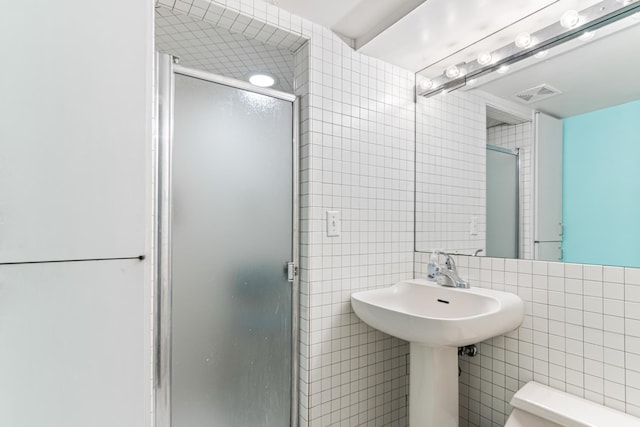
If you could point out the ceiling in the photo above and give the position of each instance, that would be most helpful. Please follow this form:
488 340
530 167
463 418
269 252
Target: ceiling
358 20
496 117
439 29
433 31
202 45
597 74
427 36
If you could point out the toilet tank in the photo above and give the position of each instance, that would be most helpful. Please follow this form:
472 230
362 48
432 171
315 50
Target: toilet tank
546 403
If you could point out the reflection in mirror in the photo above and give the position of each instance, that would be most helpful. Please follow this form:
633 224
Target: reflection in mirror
506 134
572 117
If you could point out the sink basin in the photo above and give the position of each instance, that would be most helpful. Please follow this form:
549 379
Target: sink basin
424 312
436 320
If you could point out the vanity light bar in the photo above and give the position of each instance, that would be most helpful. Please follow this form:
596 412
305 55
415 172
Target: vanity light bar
591 18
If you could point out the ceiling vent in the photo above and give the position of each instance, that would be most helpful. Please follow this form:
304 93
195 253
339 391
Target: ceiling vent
537 93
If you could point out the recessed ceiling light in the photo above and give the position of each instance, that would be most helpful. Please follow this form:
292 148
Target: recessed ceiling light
262 79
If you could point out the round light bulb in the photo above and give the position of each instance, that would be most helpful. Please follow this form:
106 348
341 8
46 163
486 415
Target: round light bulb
484 58
262 80
541 54
523 40
503 69
570 19
587 35
452 71
426 84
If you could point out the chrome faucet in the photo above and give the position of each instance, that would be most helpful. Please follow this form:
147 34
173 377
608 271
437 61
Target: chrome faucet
449 276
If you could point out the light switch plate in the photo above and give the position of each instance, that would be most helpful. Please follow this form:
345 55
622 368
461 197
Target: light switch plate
333 223
473 226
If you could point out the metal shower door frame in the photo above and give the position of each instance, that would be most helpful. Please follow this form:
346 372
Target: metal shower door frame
165 71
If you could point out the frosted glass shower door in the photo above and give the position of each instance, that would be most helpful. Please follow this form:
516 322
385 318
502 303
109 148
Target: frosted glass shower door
502 204
231 237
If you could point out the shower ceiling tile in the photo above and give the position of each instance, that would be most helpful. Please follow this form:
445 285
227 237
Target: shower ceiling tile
202 45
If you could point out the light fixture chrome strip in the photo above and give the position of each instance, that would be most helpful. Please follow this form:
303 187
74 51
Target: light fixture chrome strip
238 84
592 18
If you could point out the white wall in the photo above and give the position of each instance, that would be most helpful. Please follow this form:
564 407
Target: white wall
73 129
75 132
72 344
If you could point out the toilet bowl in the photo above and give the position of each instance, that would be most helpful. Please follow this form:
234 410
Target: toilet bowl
536 405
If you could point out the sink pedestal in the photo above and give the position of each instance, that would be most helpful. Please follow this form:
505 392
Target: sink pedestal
435 320
433 386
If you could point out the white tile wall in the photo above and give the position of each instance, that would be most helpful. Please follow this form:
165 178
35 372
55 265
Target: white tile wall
450 171
357 145
357 157
512 137
580 335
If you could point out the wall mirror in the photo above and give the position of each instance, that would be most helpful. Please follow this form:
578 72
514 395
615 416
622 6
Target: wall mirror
540 160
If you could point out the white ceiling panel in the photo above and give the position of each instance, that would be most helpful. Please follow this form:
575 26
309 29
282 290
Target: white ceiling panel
359 20
325 12
439 28
371 17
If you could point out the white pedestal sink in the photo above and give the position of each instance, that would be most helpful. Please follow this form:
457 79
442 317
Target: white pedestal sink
436 321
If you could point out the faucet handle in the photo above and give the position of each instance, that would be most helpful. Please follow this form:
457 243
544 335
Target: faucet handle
451 265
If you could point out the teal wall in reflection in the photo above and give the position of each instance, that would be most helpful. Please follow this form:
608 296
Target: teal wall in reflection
601 186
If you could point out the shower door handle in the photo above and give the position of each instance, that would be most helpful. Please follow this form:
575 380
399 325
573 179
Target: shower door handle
292 271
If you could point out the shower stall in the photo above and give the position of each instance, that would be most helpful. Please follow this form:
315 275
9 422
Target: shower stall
226 332
503 201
